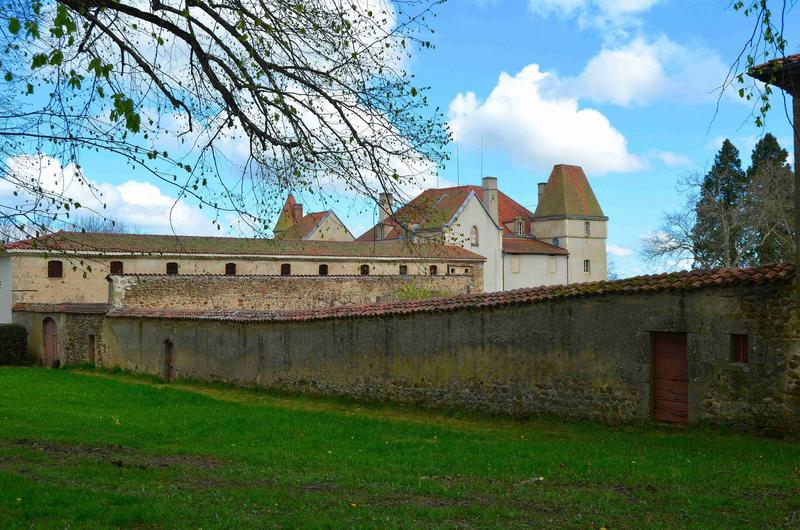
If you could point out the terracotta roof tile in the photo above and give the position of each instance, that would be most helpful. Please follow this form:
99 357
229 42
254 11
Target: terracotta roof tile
433 208
783 72
164 244
79 309
568 193
678 281
303 227
527 245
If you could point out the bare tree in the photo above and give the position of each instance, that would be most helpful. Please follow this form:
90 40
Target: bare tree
99 224
230 101
740 229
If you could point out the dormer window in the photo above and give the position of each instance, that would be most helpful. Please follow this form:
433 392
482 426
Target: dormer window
520 227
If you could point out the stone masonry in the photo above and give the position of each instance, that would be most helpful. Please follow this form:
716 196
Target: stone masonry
277 293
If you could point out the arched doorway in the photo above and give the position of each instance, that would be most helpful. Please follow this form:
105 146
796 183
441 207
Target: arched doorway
169 361
50 356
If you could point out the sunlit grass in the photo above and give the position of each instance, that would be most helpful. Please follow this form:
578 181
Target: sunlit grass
99 449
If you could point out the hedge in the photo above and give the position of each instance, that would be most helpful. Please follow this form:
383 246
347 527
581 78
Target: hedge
13 345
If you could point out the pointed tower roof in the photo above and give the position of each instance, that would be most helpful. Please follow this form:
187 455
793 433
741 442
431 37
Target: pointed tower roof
286 219
568 194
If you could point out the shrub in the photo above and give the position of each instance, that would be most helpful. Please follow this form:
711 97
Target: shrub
13 345
413 292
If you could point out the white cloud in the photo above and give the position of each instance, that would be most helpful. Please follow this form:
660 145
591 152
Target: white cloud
618 251
642 71
672 159
138 204
611 16
538 128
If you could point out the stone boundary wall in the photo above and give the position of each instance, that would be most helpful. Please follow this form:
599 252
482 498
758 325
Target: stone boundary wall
583 356
275 293
75 332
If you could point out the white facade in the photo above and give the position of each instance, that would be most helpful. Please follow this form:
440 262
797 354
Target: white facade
5 289
533 270
473 214
585 239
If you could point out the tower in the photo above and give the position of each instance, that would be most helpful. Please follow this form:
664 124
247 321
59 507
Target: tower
569 216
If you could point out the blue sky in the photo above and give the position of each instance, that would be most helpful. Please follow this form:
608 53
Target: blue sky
623 87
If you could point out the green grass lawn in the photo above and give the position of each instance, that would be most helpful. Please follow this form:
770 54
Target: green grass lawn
81 449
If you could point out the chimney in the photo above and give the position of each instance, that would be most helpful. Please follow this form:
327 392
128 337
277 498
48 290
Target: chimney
542 186
297 212
385 204
490 197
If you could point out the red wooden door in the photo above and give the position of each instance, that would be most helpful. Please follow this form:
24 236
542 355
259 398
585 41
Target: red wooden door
50 357
670 378
169 361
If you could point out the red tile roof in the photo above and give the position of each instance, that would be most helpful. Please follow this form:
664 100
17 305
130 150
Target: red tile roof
303 227
526 245
678 281
233 246
78 309
433 208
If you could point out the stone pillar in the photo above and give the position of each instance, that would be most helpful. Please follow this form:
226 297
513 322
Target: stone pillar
796 129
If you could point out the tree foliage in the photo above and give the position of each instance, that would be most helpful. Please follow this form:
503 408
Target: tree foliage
731 217
231 101
765 43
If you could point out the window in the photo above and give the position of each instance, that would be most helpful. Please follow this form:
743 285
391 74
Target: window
286 269
364 270
172 268
403 270
323 270
55 269
116 267
520 227
514 264
230 269
587 266
587 229
473 236
433 270
555 242
740 348
452 271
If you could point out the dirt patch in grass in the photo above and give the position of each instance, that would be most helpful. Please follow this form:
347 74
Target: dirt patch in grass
114 454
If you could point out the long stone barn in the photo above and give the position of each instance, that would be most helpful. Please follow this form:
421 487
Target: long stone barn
715 347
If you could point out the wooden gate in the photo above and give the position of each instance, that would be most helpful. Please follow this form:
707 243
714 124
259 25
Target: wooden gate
670 378
169 360
50 357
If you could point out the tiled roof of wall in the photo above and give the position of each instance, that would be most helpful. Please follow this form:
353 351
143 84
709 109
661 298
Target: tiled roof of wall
170 244
679 281
80 309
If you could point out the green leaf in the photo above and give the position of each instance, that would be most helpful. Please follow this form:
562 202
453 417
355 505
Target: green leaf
56 58
39 60
9 76
14 25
